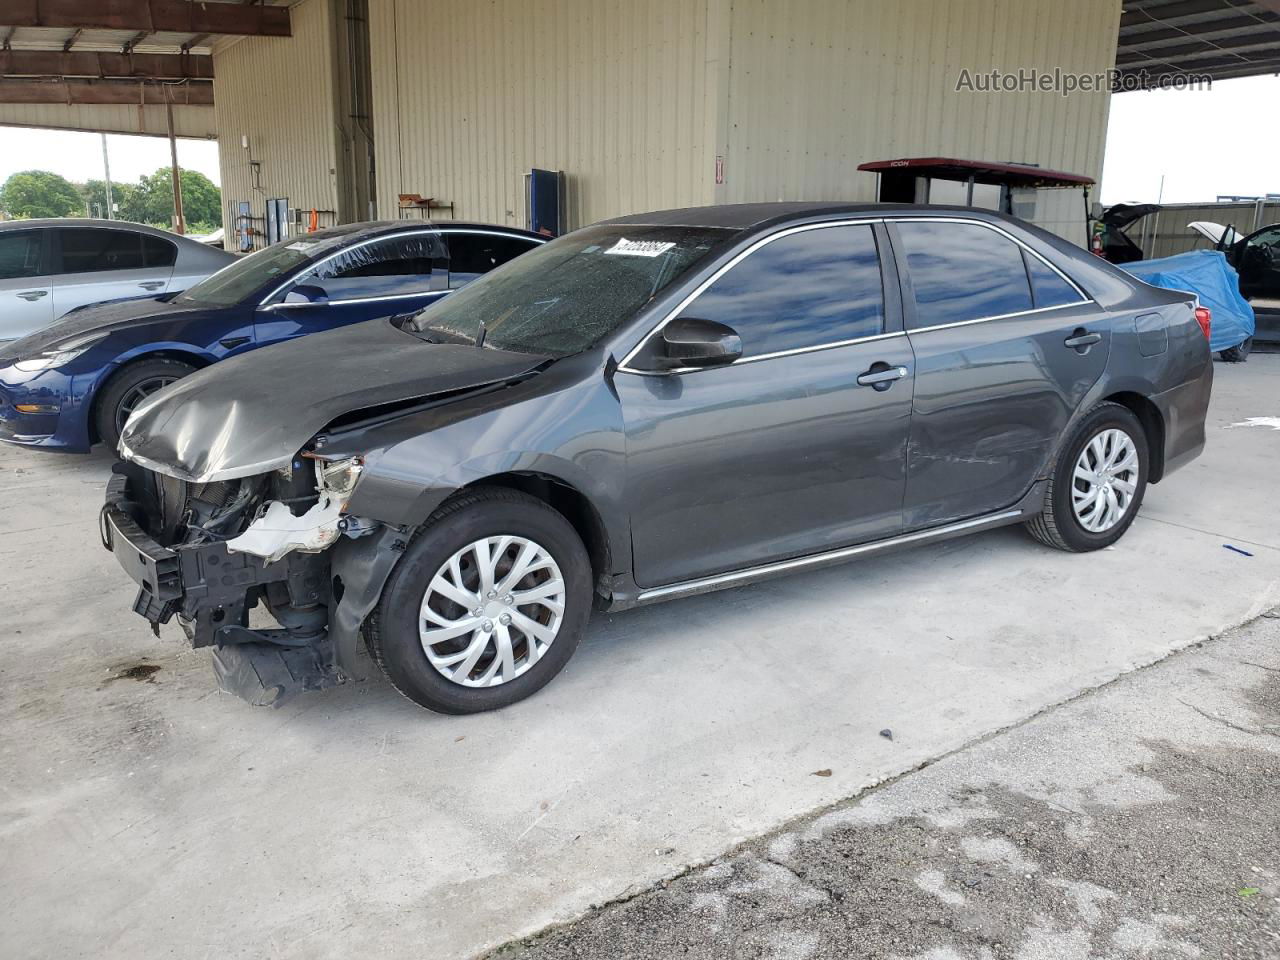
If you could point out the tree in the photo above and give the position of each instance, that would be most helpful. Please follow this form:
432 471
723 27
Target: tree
39 193
95 196
151 199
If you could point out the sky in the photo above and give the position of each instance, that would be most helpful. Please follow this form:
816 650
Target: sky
78 156
1223 140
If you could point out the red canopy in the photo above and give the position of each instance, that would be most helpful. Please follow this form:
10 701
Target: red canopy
1010 174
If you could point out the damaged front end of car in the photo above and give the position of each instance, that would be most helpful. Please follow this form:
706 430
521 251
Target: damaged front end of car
209 554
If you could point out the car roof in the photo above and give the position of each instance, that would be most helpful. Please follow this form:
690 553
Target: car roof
372 228
88 222
750 216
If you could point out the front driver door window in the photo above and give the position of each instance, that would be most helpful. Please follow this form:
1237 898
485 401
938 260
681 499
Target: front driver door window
782 453
26 301
395 275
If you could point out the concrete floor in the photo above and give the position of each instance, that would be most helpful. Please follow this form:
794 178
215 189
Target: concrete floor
1052 840
151 816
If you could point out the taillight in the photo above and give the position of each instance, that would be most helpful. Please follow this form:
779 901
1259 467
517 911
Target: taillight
1205 319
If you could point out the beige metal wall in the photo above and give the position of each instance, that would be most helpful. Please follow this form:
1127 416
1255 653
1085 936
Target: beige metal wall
280 93
470 94
816 87
196 122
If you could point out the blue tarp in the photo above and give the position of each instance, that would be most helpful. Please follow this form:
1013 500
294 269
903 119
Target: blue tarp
1207 274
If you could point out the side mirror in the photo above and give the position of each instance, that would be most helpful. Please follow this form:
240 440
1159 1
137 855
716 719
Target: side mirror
692 342
306 293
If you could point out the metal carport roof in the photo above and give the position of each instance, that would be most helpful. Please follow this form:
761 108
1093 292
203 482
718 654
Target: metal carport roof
1216 38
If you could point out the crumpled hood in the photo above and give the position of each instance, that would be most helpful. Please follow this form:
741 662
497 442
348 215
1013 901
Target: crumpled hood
99 318
254 412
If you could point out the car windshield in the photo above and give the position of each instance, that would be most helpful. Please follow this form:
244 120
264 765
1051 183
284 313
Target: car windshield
233 283
563 297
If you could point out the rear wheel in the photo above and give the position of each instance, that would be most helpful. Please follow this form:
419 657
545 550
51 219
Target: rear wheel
1097 483
1239 353
128 388
487 605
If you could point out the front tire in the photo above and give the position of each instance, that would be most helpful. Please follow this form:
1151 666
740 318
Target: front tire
1097 483
486 606
127 388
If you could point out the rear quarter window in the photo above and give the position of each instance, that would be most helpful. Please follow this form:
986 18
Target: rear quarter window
1047 286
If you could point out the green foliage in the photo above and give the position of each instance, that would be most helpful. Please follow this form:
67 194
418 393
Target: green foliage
151 199
39 193
95 195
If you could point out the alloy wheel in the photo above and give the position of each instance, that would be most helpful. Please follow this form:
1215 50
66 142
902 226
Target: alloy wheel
135 395
1104 480
491 611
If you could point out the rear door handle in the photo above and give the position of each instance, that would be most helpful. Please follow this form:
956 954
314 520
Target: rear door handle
152 284
1080 338
881 376
33 295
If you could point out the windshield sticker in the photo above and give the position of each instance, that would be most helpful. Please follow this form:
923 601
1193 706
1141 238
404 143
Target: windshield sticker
639 248
303 245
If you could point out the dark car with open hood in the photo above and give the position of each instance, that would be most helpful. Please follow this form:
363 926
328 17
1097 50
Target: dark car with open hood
644 409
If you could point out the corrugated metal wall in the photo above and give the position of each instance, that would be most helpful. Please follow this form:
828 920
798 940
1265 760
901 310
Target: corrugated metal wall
636 99
818 86
470 94
280 94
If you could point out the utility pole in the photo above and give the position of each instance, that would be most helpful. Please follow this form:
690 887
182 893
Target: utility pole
106 170
179 221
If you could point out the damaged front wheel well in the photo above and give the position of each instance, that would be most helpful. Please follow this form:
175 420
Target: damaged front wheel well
180 356
570 503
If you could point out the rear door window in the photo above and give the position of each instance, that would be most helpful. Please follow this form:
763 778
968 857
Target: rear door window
962 272
396 266
806 289
1047 286
99 250
472 255
20 254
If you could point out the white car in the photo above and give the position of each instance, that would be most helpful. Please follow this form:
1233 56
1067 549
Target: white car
50 267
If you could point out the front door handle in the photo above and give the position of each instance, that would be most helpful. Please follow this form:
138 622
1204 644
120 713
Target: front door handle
33 295
881 376
1081 338
151 284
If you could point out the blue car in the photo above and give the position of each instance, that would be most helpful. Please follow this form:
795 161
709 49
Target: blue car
76 381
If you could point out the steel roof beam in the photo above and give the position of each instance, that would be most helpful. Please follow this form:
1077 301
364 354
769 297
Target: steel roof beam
149 16
82 63
105 91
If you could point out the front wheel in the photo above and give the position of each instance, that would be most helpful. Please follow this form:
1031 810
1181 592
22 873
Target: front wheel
486 606
127 388
1097 483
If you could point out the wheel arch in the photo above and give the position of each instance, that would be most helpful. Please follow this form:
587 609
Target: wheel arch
189 356
1153 426
571 503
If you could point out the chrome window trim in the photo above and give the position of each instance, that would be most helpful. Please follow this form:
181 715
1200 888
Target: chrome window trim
271 308
625 367
704 584
995 228
408 232
998 316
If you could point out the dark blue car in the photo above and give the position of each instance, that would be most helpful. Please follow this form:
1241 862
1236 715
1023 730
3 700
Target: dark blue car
76 381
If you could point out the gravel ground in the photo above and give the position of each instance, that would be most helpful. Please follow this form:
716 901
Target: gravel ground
1141 820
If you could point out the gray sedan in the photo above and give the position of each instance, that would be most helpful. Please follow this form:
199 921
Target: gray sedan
50 267
645 409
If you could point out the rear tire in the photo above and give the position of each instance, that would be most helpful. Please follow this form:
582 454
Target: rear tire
1093 494
127 387
1239 353
496 648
